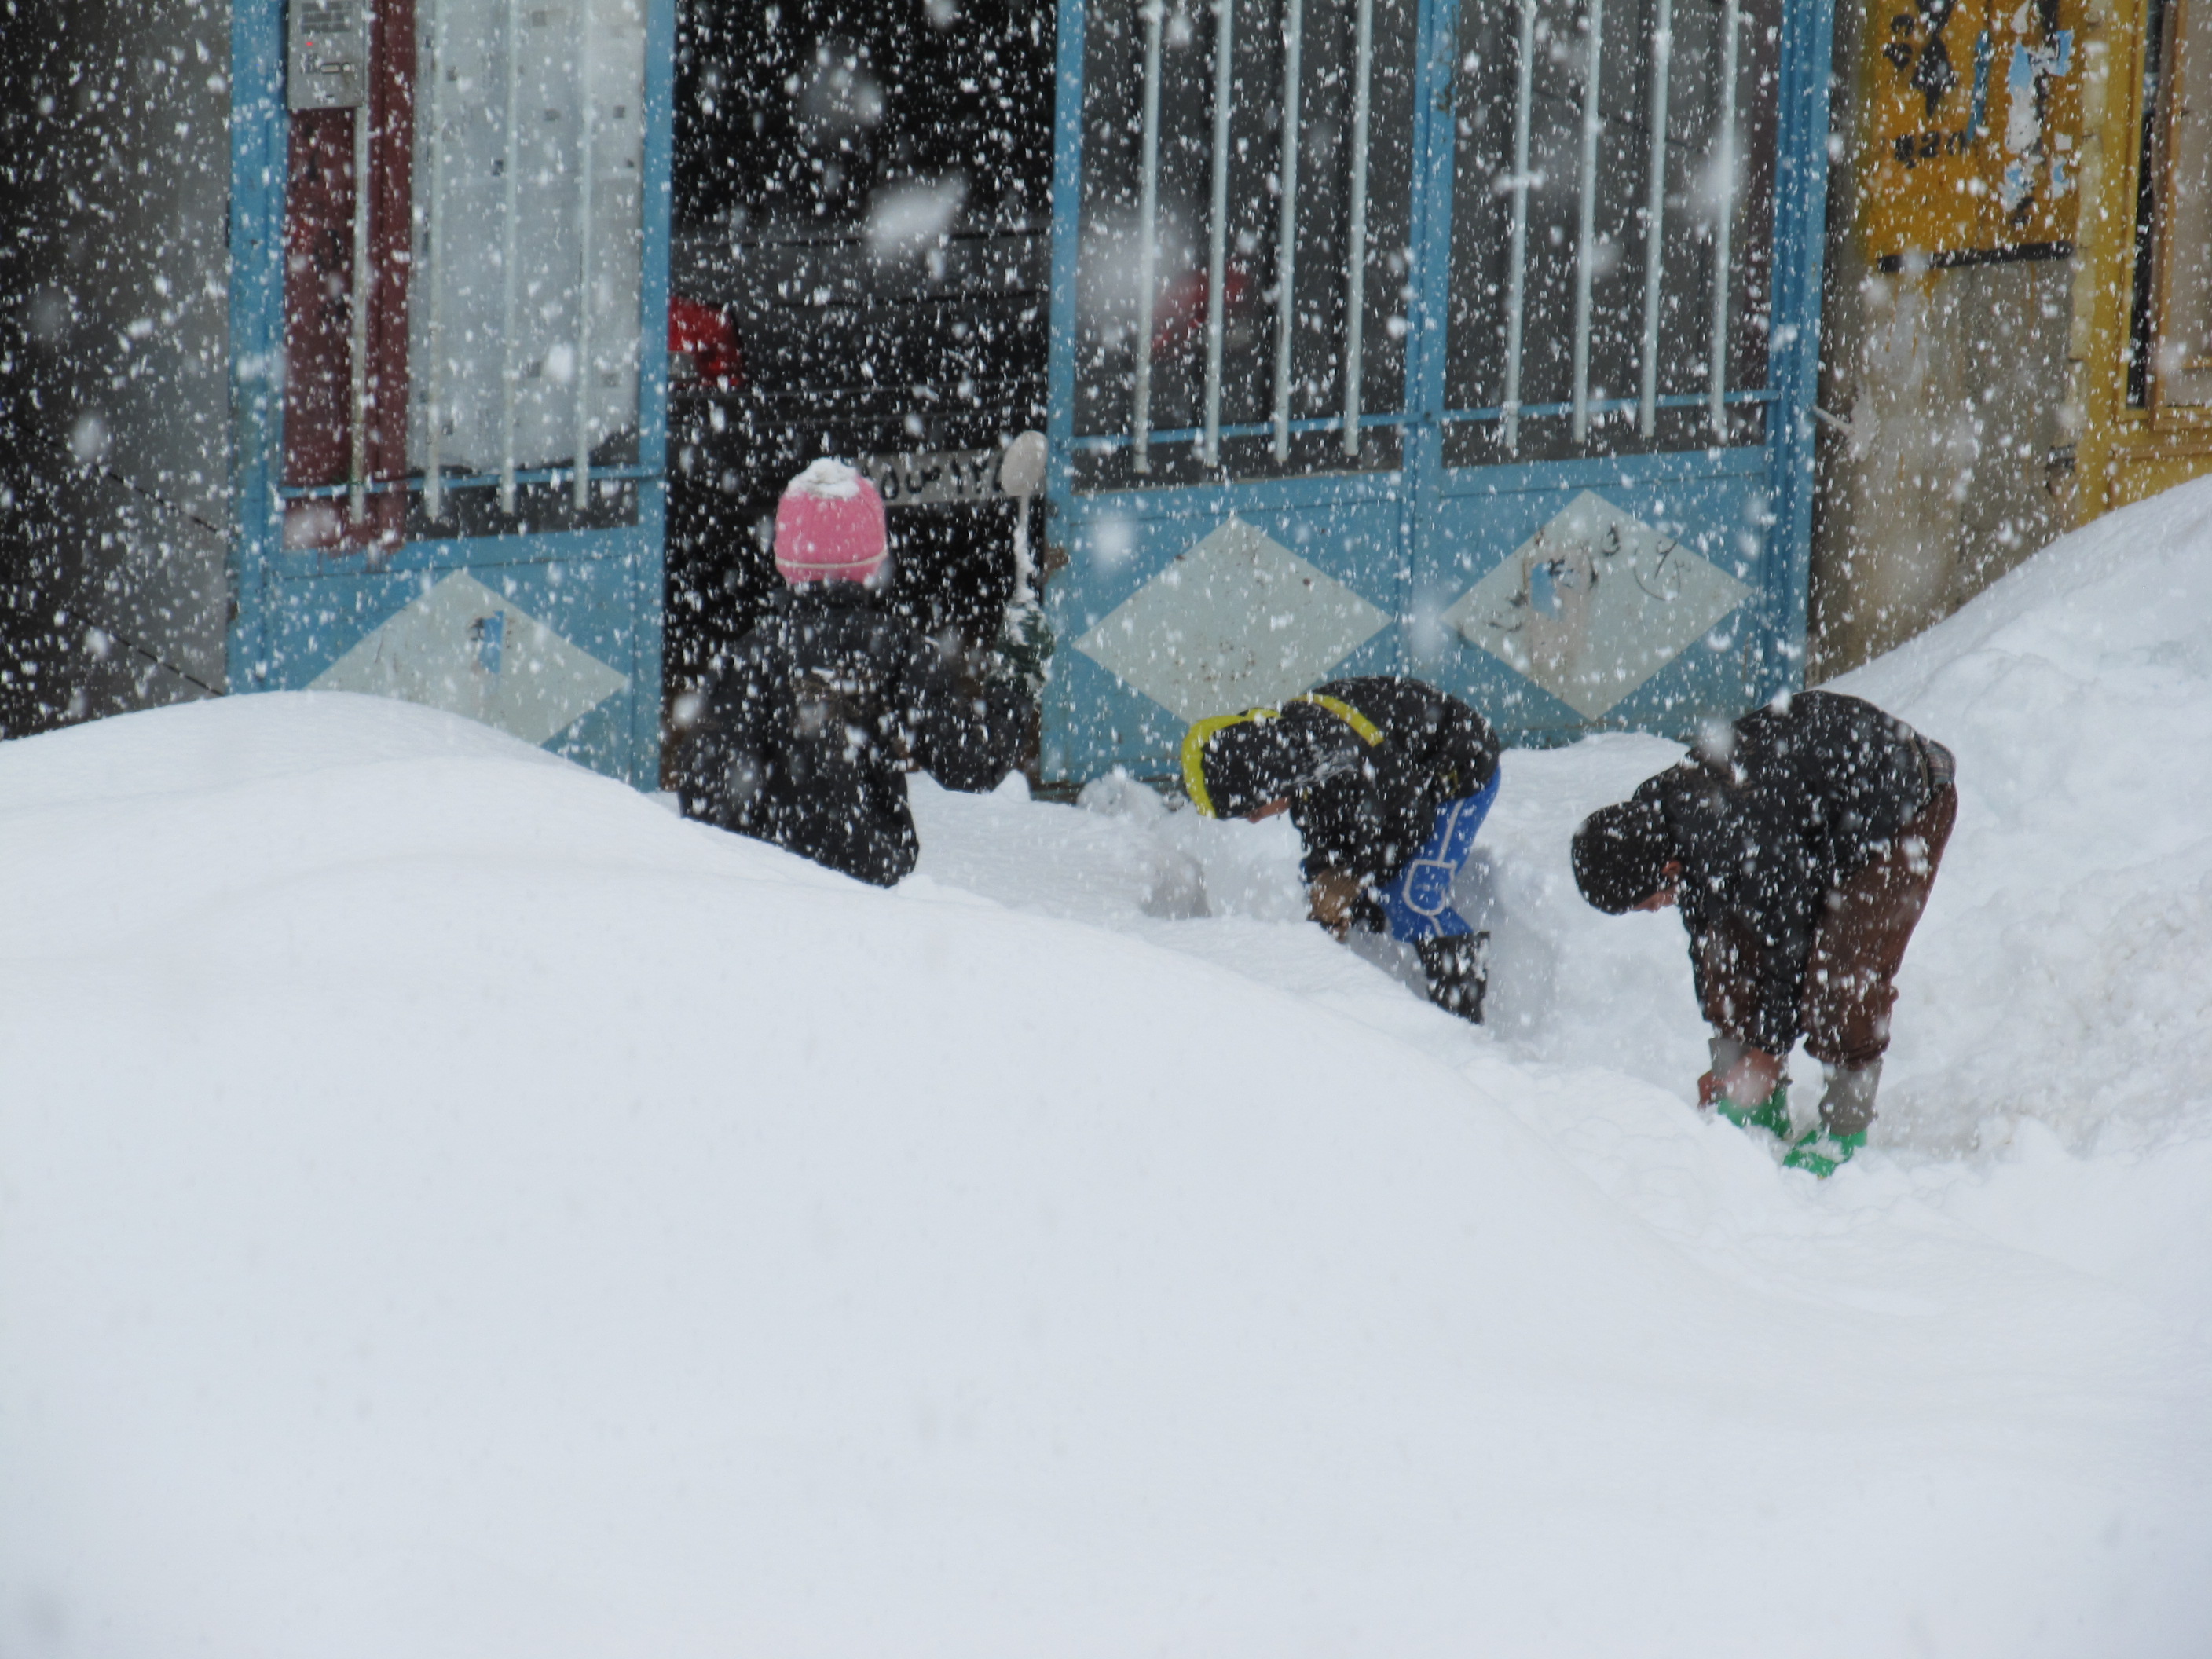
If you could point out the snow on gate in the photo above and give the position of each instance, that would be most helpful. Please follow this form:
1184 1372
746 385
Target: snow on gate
423 383
1475 341
372 354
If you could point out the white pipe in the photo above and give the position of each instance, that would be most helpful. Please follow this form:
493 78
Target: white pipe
1286 251
583 492
1662 52
432 272
1516 282
509 372
1148 250
1216 260
357 324
1355 282
1724 219
1586 232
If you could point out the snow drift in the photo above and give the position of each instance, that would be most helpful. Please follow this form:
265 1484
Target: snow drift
450 1206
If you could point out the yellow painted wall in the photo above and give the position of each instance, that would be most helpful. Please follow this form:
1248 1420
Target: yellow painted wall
1969 126
2122 455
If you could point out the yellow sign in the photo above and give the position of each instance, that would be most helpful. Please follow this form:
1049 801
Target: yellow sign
1974 112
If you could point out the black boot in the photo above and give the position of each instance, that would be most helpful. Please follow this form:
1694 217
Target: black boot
1458 969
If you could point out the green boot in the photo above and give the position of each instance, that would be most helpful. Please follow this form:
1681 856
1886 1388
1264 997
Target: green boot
1772 1113
1822 1153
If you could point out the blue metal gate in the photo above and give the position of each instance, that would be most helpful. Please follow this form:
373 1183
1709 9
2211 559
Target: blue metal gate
448 303
1470 338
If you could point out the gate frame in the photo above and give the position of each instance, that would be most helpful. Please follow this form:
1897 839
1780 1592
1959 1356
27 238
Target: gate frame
1785 457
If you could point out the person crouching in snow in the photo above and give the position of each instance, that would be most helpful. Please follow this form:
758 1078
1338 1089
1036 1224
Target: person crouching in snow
1801 843
802 739
1387 780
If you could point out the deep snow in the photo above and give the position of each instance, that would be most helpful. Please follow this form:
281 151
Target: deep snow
450 1206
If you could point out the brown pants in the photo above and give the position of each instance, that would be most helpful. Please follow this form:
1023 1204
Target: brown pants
1848 991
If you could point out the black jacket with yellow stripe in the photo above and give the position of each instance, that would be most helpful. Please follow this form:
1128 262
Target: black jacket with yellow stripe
1396 749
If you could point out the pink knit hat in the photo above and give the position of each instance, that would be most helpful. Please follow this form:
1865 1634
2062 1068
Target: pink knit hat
829 525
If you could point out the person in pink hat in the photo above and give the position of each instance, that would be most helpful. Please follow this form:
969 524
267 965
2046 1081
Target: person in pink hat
804 739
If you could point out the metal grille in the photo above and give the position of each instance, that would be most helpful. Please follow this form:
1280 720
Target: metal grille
1249 265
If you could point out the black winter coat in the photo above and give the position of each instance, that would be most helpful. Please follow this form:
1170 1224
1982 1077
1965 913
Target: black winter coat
804 738
1767 822
1371 813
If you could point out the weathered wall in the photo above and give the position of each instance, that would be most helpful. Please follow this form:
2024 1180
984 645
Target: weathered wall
114 358
1945 450
1953 470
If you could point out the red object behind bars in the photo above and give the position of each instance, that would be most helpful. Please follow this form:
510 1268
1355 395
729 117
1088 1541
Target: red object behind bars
1179 316
703 345
319 298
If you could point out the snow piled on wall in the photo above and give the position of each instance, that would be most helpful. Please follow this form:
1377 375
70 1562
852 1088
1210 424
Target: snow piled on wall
449 1205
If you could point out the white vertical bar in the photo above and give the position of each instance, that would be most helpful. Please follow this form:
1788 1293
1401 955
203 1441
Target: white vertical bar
1355 278
1217 259
585 112
1586 231
1517 287
1723 218
357 324
509 370
432 272
1662 52
1148 250
1287 250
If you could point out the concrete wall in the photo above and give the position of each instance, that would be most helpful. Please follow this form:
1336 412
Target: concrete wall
1946 457
114 358
1955 467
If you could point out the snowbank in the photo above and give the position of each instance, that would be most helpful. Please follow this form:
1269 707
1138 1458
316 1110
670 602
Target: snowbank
450 1206
2057 999
2069 971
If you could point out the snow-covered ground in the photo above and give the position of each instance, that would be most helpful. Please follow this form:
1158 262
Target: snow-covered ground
449 1205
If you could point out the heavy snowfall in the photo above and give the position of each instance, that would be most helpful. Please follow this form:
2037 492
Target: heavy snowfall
453 1206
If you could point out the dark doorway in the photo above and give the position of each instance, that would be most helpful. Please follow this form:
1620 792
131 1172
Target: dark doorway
860 268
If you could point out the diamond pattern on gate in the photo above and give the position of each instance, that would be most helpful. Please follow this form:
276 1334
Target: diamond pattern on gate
1594 603
1236 619
464 648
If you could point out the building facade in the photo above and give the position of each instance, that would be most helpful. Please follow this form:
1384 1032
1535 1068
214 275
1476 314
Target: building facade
340 360
2018 295
1615 363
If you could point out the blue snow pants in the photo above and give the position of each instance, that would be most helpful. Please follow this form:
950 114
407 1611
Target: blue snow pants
1417 903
